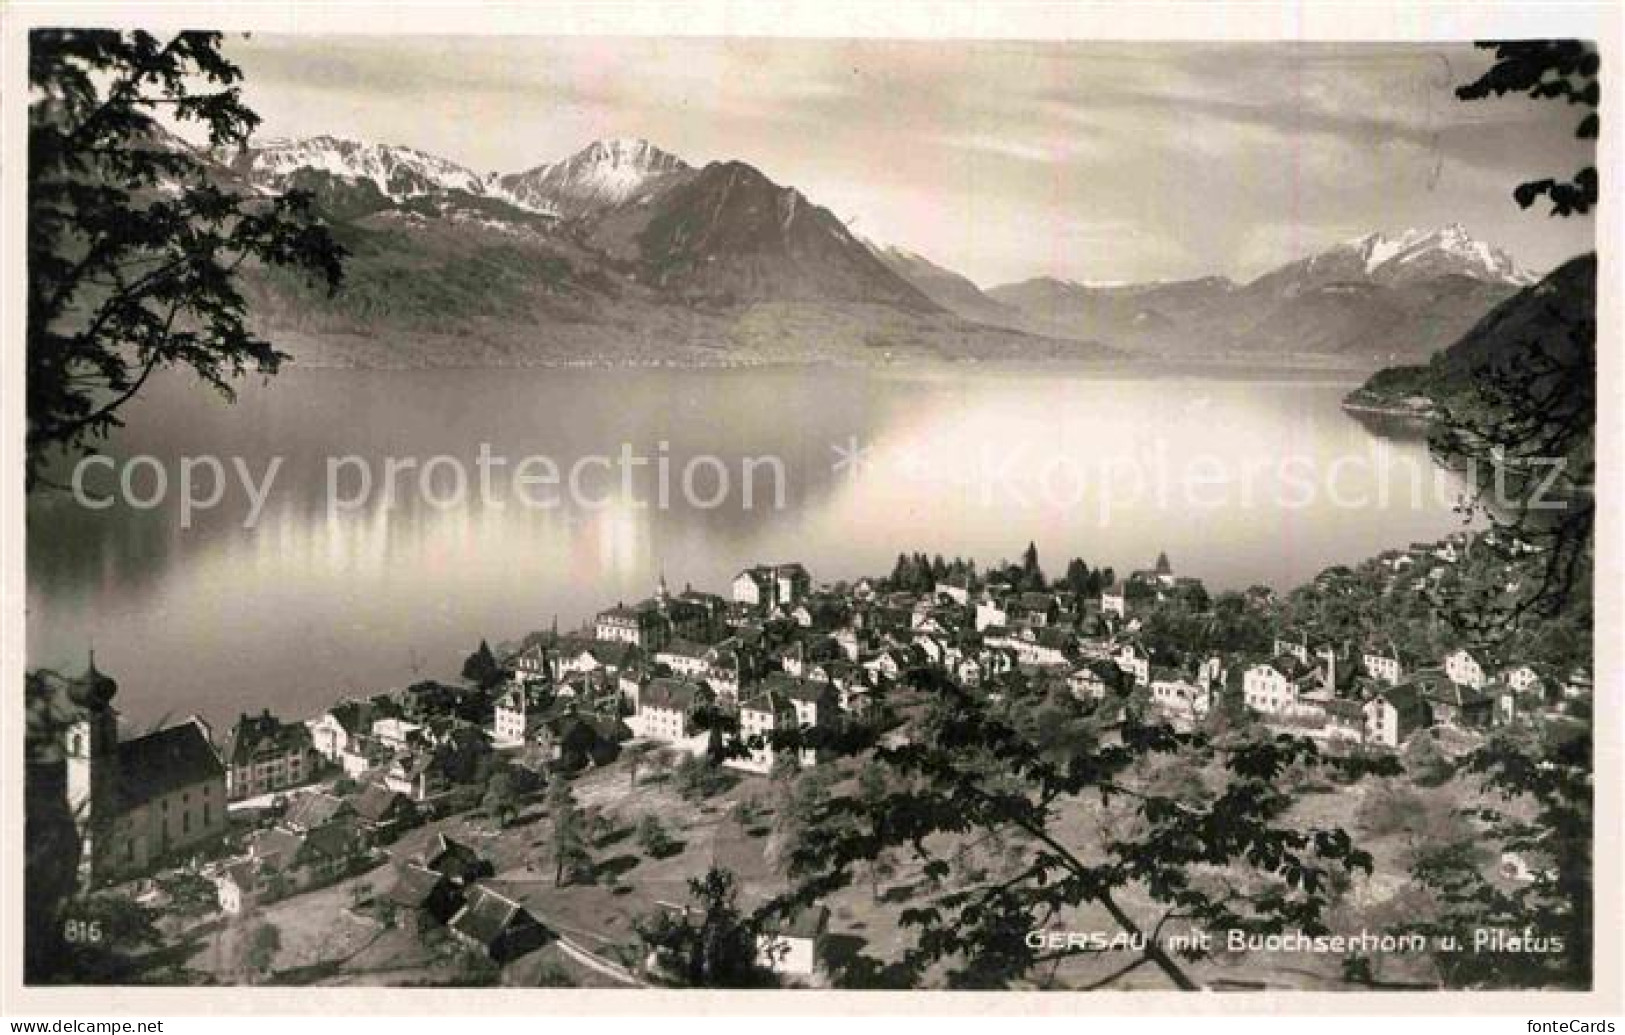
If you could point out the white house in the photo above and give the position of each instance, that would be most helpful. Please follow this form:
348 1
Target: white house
1383 664
1393 715
665 711
519 712
794 949
1465 667
1114 600
1181 700
990 612
396 734
1133 659
686 658
1276 687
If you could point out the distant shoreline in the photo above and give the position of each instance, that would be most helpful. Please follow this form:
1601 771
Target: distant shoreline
1162 365
1398 412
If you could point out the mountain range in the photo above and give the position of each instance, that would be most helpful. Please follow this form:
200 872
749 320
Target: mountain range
1370 300
625 253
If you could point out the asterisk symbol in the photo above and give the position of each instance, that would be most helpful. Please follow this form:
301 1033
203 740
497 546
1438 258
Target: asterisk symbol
910 463
851 458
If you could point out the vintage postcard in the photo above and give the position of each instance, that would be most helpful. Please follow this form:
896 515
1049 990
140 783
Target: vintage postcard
543 505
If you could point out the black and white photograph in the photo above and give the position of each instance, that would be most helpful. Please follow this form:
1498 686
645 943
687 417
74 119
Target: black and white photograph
809 514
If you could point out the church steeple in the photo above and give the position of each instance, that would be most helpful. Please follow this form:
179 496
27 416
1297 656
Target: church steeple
93 691
91 752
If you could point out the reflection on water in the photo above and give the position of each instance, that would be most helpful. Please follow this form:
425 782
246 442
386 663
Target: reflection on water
1240 482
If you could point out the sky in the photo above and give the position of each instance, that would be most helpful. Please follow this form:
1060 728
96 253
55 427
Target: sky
1003 161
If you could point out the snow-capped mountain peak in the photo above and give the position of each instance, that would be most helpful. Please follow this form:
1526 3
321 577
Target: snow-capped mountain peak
1415 253
603 174
398 172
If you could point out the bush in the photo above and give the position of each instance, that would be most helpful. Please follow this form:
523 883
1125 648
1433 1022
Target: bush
696 778
1426 763
652 838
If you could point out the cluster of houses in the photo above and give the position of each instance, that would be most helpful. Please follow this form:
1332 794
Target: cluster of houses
1378 694
783 654
779 653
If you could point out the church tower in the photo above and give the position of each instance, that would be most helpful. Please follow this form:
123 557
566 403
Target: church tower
91 754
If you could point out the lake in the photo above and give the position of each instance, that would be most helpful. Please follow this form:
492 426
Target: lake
336 587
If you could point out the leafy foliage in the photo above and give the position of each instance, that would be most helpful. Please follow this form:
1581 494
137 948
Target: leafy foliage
572 838
1563 70
652 837
257 949
1553 904
481 667
965 772
134 245
711 943
501 799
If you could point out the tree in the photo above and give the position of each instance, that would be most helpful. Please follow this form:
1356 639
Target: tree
1077 578
258 948
697 777
1554 907
1426 762
1535 409
1564 70
1032 576
1538 405
481 667
652 837
572 853
801 805
711 943
970 774
501 799
135 239
634 755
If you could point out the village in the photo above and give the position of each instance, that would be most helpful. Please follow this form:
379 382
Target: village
396 838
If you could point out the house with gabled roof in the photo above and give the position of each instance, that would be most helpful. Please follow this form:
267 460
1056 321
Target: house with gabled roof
1094 679
263 754
282 862
1134 660
665 712
521 708
382 814
424 897
1455 703
1384 662
1467 666
1393 714
313 809
685 658
772 585
1279 685
347 723
460 863
1529 678
1178 698
794 947
496 925
783 703
537 662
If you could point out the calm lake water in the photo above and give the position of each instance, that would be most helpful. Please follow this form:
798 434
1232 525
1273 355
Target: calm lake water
327 593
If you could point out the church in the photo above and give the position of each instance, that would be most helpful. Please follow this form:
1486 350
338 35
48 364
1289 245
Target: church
135 802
